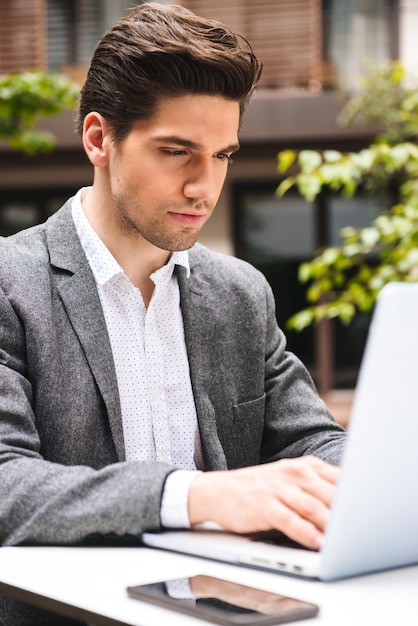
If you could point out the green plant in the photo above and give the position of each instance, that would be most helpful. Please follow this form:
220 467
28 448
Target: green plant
387 101
348 278
27 97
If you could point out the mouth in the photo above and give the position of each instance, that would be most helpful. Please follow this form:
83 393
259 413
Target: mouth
192 220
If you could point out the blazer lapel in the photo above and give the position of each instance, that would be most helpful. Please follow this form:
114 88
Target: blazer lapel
199 334
77 288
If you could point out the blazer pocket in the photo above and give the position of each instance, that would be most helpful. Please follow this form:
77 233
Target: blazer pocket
245 437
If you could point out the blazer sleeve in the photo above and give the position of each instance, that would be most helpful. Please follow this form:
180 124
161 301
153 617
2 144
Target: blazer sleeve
44 501
297 421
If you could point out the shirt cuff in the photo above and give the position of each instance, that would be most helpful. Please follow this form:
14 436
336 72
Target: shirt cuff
174 504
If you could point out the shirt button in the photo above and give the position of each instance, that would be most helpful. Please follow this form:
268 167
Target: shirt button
155 393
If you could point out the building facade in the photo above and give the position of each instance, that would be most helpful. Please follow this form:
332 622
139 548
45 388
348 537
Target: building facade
313 53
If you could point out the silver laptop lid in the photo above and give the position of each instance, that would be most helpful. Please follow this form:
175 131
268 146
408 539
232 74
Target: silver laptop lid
374 521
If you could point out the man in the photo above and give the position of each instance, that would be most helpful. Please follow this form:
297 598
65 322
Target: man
133 358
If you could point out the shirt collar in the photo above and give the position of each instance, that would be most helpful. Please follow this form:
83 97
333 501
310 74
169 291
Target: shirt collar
103 264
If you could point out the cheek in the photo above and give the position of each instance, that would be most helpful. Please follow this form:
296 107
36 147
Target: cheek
134 181
220 179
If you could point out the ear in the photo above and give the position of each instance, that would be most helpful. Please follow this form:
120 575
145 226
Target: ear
96 139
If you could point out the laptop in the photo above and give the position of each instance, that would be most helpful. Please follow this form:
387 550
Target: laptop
373 524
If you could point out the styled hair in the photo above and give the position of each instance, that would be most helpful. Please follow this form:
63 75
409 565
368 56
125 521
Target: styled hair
160 51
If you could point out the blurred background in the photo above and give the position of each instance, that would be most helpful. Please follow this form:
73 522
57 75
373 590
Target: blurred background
313 53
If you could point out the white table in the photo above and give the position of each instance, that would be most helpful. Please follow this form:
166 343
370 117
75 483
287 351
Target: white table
90 584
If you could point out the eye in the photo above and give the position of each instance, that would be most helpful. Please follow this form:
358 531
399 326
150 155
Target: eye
223 156
174 152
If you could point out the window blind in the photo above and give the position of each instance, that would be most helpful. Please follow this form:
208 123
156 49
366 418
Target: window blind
22 35
285 34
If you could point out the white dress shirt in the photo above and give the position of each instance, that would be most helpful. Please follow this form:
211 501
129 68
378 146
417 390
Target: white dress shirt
152 368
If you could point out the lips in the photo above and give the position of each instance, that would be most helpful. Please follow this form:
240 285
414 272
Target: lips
193 220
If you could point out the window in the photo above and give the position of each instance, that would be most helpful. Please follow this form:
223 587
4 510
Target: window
276 235
75 27
356 30
28 207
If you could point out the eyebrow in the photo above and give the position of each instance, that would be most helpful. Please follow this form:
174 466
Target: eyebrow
193 145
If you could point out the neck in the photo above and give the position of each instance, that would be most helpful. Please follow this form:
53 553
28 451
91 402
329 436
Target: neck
137 257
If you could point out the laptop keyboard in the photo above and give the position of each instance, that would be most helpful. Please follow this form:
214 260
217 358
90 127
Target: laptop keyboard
275 538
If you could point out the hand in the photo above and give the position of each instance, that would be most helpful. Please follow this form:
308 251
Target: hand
291 495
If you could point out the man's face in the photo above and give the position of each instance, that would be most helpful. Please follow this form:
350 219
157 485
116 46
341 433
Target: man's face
166 176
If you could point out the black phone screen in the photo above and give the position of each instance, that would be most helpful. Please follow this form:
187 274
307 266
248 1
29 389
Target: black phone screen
224 602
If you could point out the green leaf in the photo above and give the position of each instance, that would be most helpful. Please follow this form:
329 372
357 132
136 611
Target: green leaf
396 157
309 161
284 186
330 255
286 158
314 293
346 312
364 159
332 156
370 236
305 272
309 185
301 320
353 249
397 73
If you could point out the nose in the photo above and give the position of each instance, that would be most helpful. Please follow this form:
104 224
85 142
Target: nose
203 182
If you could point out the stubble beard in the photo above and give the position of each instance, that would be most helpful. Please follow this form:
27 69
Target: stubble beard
153 231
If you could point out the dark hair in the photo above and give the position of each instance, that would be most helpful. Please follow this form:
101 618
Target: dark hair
162 51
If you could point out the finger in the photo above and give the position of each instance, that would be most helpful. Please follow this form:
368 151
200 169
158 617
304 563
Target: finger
306 506
320 489
308 474
295 527
327 471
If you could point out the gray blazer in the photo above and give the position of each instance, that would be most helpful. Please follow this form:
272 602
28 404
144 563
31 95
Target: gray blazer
63 474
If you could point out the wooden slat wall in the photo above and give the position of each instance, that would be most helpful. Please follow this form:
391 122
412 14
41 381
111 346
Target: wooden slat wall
22 35
285 34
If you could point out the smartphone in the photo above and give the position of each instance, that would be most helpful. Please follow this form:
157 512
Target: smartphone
224 602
